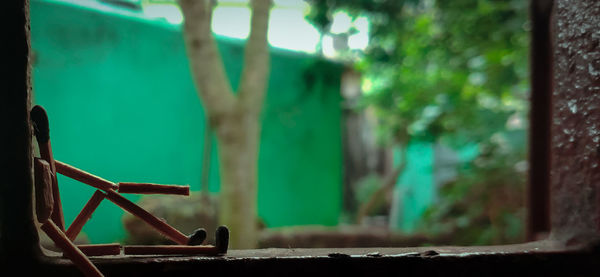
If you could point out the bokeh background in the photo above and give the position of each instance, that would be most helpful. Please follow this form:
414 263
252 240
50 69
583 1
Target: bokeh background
386 123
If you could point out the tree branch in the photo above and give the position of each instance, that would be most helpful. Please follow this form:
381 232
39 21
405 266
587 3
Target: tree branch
256 58
205 61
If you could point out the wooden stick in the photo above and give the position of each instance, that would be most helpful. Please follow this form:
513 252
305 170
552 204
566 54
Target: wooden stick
121 201
153 221
57 211
44 202
84 177
148 188
42 135
100 249
70 250
84 215
170 250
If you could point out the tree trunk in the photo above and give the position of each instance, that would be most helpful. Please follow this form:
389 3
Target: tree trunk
238 151
235 118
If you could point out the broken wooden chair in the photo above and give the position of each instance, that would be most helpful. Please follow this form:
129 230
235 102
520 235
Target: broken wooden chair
50 215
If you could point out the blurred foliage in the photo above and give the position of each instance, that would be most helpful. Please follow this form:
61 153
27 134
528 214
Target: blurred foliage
484 205
454 71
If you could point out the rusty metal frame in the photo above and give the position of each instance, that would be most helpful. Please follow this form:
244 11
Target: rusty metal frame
538 186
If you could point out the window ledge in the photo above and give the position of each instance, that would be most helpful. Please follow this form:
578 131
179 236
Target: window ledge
543 257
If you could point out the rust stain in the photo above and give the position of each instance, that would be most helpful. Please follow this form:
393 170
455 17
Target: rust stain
575 171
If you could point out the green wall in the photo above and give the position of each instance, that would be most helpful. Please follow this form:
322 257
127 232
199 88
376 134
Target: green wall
416 190
122 105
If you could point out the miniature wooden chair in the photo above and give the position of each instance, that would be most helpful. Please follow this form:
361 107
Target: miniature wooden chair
49 209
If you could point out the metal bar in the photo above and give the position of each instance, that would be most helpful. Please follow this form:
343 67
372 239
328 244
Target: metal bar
538 188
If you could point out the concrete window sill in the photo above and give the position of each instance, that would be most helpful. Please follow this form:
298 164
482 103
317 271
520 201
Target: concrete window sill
548 258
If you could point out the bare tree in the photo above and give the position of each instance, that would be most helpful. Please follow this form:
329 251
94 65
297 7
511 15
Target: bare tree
234 117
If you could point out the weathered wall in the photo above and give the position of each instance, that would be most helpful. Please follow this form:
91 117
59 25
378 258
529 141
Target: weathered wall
18 239
575 171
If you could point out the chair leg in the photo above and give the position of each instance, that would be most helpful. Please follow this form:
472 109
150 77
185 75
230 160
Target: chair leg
84 215
70 250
